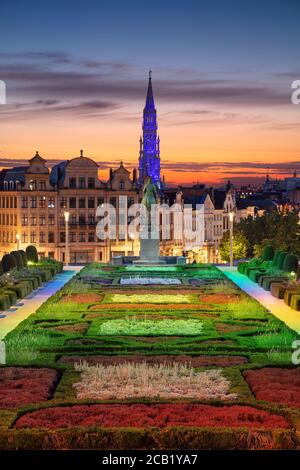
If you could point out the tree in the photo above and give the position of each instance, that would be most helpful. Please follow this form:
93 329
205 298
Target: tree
281 230
240 246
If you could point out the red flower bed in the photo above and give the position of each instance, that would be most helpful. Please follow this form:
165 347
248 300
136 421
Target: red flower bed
219 298
162 415
82 298
275 385
21 386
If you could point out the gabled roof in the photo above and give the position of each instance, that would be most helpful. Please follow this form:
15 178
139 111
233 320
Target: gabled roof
218 198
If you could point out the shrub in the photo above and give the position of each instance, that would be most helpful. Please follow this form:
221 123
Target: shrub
275 259
280 259
24 257
8 263
290 263
268 253
18 258
4 301
32 254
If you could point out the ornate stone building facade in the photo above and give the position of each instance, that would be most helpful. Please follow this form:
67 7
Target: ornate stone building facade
34 203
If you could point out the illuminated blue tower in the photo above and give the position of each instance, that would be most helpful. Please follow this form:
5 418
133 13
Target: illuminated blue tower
149 160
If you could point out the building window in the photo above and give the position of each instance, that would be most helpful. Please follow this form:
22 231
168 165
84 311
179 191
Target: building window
91 219
24 220
51 219
72 182
113 201
72 237
24 202
91 237
32 237
100 201
24 237
62 237
61 221
42 237
33 220
51 237
42 202
122 184
91 182
63 202
100 256
82 203
81 237
130 201
82 182
91 203
72 202
42 220
32 185
33 202
81 220
73 220
42 185
51 204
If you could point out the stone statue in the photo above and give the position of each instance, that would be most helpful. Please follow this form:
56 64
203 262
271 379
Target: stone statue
149 251
149 194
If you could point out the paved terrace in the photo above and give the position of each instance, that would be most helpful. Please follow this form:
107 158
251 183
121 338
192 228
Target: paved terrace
11 318
276 306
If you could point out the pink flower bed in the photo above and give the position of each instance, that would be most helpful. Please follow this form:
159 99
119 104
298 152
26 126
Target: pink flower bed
161 416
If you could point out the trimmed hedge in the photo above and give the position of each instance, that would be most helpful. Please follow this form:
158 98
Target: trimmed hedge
20 289
8 263
32 254
24 257
290 263
280 259
18 258
4 301
277 253
268 253
11 294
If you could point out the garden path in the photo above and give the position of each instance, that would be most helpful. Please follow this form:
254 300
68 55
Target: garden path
11 318
276 306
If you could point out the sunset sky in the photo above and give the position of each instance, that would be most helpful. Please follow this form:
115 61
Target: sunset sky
76 76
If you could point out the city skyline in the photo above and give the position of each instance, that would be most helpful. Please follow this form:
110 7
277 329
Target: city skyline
223 100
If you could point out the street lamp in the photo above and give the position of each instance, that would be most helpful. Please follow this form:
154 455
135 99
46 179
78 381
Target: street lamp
231 217
67 216
18 241
131 235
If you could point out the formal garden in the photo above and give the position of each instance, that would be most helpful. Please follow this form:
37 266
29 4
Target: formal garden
174 357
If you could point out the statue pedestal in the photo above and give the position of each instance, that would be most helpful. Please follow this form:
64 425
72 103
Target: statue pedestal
149 254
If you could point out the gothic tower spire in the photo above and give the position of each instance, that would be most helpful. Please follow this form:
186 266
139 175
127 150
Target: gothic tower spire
149 160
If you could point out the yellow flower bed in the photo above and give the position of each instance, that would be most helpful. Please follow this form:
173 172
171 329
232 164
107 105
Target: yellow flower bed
150 298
